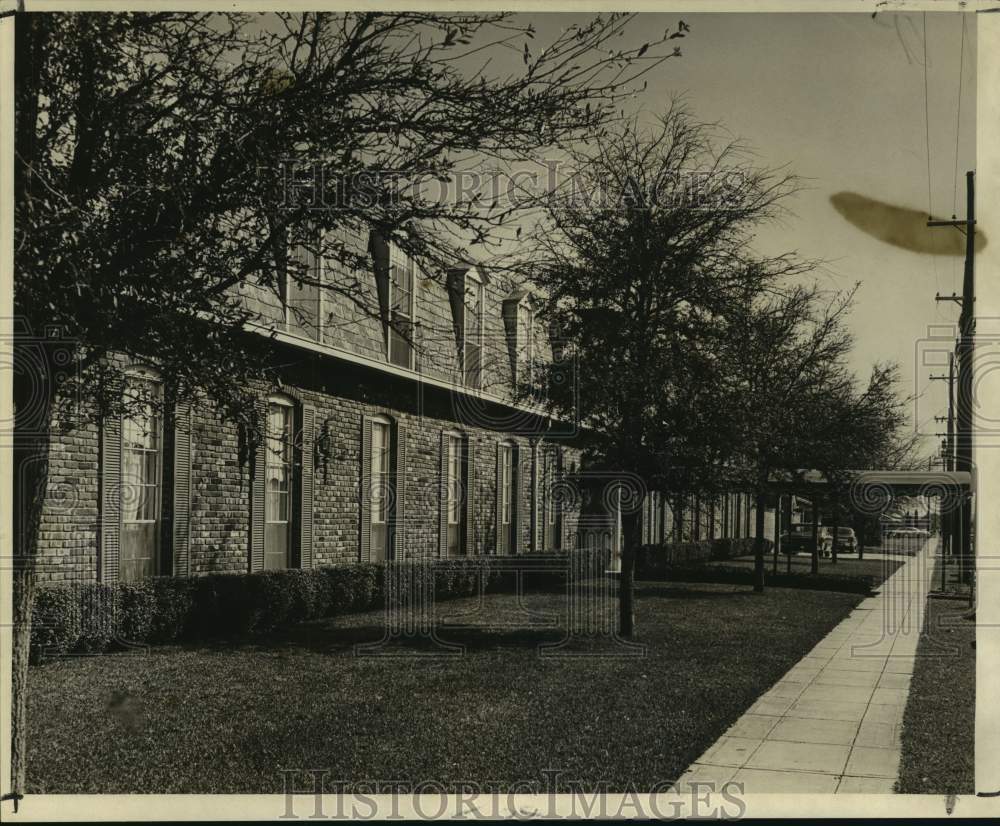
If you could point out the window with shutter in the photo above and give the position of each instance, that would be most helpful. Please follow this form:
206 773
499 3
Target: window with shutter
454 510
380 489
142 479
444 495
550 517
457 495
506 498
278 483
383 489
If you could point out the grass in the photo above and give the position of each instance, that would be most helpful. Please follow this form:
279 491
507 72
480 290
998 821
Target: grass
939 723
880 569
227 718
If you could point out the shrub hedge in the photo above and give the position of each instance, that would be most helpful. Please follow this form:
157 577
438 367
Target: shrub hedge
89 618
652 561
684 562
743 575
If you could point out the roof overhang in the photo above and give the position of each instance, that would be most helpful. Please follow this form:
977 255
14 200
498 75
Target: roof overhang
900 482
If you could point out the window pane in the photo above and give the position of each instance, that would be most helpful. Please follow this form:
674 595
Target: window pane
401 309
454 479
380 472
145 502
140 457
150 469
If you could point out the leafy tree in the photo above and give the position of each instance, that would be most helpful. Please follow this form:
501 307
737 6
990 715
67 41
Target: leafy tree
147 186
793 404
640 253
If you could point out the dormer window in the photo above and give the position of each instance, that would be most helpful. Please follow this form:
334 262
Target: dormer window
395 281
473 334
301 295
402 277
467 295
525 344
519 322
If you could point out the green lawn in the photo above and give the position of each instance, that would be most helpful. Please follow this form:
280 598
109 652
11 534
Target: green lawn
229 717
881 569
939 722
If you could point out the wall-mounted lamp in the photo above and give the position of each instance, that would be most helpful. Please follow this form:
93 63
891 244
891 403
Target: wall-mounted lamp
324 447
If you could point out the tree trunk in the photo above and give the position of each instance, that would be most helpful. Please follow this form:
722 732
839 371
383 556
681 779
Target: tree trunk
858 524
758 561
777 531
30 454
631 537
815 549
836 525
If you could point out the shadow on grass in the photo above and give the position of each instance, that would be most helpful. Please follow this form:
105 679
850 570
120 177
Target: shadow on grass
538 620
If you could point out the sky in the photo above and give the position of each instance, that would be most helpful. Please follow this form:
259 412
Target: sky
840 99
843 102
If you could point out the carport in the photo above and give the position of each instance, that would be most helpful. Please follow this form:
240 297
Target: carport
867 493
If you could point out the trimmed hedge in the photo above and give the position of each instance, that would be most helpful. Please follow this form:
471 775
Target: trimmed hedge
651 561
684 562
90 618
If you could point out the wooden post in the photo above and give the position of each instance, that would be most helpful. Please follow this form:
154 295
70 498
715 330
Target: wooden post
815 537
631 536
836 526
859 529
758 561
626 594
777 530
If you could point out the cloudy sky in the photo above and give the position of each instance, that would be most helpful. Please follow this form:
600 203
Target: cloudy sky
840 99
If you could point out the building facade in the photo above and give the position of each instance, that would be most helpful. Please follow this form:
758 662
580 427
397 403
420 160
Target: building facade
393 428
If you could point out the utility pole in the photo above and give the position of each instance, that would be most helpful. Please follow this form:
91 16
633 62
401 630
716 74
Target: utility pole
950 526
965 351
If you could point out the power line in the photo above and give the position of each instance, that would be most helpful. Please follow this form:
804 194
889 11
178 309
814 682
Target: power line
958 117
927 120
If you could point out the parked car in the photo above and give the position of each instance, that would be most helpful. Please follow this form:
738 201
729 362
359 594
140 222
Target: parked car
800 540
847 540
904 539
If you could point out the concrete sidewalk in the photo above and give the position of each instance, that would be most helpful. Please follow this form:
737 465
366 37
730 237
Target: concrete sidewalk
832 723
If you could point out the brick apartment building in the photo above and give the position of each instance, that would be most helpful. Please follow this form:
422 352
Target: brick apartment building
376 445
